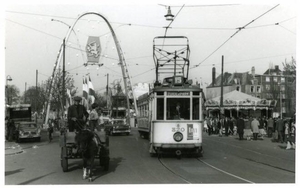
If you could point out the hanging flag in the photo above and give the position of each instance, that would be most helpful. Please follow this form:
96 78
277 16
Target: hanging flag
91 91
69 98
84 89
93 50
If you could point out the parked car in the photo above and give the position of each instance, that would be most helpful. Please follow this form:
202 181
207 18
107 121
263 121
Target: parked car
118 126
24 126
28 130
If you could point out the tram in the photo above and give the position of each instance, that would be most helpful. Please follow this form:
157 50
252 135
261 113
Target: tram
170 114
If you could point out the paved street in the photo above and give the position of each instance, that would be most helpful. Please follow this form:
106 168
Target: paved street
226 160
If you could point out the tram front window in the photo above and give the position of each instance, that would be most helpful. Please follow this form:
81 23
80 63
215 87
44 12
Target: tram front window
178 109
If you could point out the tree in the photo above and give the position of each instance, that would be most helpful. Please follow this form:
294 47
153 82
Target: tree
57 89
36 96
12 94
290 74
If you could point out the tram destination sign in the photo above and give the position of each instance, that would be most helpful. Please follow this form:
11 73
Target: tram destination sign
178 93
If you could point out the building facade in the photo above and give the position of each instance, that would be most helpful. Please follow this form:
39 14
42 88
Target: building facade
274 84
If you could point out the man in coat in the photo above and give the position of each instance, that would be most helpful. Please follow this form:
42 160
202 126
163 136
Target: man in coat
240 127
254 127
279 128
77 115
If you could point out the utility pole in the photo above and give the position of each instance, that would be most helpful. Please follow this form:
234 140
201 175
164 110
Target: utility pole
107 75
64 75
221 98
25 93
36 90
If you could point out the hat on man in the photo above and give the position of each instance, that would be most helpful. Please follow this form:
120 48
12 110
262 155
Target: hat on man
77 98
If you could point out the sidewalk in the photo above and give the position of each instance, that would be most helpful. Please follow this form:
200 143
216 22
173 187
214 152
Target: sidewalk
13 148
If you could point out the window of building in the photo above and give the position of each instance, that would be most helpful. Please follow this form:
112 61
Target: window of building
258 89
238 88
252 89
282 79
283 95
275 79
268 87
282 87
267 79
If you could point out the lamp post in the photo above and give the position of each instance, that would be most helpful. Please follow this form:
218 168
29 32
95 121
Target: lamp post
8 78
63 71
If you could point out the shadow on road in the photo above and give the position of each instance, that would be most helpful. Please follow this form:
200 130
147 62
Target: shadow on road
7 173
113 164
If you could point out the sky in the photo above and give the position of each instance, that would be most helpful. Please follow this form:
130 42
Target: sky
32 40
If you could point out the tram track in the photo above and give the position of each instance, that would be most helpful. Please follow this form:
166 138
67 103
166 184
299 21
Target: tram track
172 171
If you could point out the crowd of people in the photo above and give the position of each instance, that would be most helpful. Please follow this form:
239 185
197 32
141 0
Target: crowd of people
253 128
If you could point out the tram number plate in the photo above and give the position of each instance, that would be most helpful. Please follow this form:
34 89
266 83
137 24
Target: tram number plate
178 129
191 132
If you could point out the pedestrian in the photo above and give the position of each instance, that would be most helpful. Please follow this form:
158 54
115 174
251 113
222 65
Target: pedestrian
292 137
77 115
94 117
205 128
11 129
247 129
286 131
50 131
270 127
261 128
220 124
226 125
209 125
254 128
234 123
240 127
280 129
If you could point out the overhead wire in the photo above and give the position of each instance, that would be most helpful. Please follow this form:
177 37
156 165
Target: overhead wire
238 30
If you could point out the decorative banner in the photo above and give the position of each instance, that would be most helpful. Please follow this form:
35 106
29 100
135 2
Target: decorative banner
93 50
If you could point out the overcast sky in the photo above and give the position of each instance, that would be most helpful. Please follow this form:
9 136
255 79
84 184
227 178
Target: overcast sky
32 40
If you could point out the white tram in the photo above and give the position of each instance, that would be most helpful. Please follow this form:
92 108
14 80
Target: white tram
170 115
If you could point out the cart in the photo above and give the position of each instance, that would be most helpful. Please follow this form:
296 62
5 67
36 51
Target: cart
69 149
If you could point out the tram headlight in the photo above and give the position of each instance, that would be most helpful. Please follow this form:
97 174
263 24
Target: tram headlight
178 136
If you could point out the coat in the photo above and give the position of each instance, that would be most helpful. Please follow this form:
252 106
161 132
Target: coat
279 125
240 123
77 111
254 126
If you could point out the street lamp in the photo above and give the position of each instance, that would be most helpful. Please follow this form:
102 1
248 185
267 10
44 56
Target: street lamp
169 16
8 78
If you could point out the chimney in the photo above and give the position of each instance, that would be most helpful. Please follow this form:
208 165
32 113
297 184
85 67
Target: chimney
253 72
276 67
213 76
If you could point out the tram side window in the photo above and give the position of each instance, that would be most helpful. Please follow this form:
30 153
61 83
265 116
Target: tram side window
160 109
178 109
196 109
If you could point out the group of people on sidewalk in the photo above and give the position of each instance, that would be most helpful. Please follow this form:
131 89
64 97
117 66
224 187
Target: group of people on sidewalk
253 128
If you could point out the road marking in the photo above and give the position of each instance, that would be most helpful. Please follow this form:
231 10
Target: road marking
225 172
